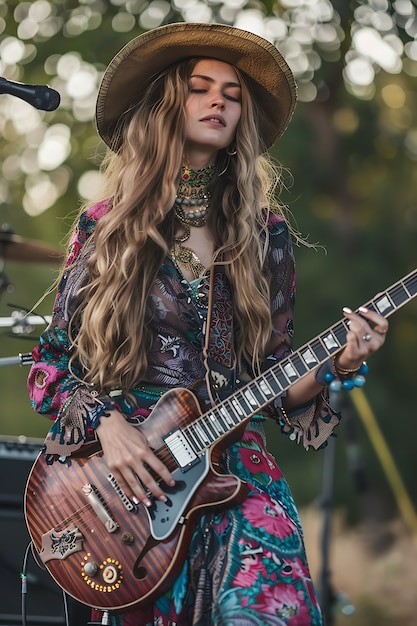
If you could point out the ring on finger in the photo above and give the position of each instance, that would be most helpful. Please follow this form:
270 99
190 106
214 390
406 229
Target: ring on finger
366 337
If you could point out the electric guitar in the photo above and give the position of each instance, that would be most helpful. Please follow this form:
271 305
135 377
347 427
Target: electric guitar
112 554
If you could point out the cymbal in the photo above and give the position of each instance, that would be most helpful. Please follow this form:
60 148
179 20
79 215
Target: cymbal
15 248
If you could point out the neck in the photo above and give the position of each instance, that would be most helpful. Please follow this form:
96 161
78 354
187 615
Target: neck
199 160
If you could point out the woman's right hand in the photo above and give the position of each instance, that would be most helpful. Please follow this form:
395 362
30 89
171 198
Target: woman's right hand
129 456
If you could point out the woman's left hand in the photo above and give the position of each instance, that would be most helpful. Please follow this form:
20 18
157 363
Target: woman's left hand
366 334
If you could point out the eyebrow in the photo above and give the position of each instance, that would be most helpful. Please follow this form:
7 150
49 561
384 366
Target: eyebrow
211 80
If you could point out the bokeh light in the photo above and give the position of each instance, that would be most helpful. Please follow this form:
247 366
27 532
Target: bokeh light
309 33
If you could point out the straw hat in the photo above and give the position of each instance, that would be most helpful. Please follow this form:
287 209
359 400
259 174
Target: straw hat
271 80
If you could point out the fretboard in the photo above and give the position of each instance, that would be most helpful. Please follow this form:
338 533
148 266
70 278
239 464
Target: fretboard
254 396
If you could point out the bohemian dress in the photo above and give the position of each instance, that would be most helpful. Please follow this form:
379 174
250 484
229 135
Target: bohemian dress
246 564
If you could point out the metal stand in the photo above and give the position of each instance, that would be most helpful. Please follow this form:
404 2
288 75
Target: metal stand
329 600
20 323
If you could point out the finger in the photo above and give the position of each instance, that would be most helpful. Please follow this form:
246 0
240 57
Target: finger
150 484
378 323
144 481
155 465
380 330
365 323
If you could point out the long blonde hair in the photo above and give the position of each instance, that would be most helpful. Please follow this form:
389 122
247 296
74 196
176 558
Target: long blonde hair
109 329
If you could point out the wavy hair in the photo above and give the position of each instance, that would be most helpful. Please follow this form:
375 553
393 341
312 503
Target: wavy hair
109 329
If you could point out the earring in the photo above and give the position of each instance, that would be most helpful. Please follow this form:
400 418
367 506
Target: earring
229 153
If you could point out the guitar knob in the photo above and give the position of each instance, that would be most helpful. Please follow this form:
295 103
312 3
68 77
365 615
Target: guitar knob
90 568
110 574
128 538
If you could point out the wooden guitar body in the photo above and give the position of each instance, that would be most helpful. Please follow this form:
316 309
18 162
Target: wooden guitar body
102 549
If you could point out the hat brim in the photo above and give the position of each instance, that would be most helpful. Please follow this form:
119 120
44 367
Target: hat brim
148 54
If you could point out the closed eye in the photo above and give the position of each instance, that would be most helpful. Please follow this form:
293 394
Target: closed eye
225 95
232 98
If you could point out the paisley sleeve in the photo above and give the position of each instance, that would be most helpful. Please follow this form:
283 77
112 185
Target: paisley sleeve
55 387
311 424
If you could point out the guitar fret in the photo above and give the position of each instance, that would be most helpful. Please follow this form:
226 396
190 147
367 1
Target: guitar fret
289 369
411 284
319 350
208 428
227 416
309 358
273 382
250 398
201 433
264 388
330 342
384 305
244 401
237 404
399 295
233 409
280 375
298 364
339 332
224 417
192 435
217 425
259 398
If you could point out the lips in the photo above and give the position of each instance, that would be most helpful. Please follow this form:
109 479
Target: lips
218 119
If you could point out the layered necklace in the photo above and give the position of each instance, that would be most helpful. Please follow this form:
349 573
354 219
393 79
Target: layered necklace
191 209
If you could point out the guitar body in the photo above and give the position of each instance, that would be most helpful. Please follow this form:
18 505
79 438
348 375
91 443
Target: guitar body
102 549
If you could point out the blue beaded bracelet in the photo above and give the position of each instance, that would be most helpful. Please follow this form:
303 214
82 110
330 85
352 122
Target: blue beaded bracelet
328 376
335 384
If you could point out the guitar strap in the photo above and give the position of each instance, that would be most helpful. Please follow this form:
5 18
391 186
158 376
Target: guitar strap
219 358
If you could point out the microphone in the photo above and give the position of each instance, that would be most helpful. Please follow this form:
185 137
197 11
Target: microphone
40 96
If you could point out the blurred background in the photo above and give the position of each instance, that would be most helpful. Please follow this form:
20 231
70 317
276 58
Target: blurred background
350 184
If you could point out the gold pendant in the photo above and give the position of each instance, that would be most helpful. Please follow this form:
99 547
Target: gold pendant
188 259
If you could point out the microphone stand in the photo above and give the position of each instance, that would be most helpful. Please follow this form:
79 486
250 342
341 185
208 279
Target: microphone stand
325 590
328 599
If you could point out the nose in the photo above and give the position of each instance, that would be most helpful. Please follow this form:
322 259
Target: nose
218 100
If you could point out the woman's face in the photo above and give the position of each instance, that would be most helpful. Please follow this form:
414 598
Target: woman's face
212 111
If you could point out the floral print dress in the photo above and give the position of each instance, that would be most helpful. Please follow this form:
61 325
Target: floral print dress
246 564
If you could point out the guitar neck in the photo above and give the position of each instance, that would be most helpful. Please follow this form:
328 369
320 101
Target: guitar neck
256 395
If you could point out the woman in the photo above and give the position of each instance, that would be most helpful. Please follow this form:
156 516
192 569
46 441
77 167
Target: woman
182 275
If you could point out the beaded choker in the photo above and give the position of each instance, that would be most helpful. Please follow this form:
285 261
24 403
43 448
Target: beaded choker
193 199
191 209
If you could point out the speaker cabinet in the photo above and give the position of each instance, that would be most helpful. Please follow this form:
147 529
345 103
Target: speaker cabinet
44 599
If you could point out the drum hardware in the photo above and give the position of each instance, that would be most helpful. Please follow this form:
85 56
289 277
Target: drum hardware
15 248
22 323
21 359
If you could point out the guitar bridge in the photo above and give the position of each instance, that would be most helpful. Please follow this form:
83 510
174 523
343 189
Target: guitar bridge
99 508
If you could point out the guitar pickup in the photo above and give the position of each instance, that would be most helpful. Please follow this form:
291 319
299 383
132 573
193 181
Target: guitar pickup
180 449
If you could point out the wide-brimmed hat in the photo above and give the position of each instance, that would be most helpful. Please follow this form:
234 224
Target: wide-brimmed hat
127 75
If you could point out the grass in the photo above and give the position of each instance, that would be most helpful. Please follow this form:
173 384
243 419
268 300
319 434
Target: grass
373 565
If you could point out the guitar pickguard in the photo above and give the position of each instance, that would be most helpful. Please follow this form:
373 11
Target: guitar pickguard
164 516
